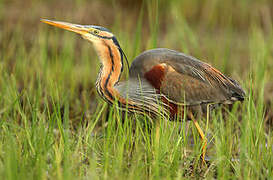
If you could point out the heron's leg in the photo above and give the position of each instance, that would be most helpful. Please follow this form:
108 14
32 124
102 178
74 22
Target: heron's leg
201 133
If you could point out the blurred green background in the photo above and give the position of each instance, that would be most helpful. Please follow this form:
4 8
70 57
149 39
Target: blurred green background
47 81
222 33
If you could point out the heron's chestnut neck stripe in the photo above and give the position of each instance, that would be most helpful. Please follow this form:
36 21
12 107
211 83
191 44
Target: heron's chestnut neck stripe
115 41
120 51
113 69
111 57
109 76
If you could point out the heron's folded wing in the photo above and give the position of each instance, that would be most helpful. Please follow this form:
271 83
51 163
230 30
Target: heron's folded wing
186 84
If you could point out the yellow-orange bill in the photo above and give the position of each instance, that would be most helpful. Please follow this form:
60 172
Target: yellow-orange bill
80 29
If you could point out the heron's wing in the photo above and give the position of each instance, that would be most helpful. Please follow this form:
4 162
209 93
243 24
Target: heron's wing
190 86
184 79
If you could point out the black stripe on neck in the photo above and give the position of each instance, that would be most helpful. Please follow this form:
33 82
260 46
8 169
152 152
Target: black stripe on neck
110 74
114 39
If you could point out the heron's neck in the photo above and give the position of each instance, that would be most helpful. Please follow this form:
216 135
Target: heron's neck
112 67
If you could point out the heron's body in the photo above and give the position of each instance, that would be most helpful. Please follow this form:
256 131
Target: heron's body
157 78
178 80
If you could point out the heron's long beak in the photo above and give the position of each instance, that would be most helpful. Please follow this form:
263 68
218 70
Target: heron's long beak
80 29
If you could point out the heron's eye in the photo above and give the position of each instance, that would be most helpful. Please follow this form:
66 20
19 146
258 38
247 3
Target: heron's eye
96 31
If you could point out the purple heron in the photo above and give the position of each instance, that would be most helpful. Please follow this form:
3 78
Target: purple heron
157 78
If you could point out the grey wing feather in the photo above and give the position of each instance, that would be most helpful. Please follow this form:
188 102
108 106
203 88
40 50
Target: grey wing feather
194 82
143 94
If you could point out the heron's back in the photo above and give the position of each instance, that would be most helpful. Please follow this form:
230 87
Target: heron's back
184 79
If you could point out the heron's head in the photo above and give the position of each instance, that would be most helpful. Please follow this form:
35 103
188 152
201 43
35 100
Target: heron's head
103 40
95 34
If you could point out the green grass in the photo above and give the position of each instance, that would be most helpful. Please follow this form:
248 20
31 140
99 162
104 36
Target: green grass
53 125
